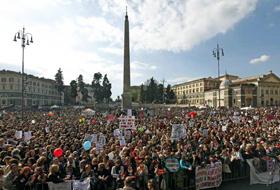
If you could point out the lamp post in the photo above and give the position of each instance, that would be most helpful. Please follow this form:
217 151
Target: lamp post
26 39
217 52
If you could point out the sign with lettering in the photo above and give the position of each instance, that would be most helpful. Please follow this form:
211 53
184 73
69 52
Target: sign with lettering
127 122
209 176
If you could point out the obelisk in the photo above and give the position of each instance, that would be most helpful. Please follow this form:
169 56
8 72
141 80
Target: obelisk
126 97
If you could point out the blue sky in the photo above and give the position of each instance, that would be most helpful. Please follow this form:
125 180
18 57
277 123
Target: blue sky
170 39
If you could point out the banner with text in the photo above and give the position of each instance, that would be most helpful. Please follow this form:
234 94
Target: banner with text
209 176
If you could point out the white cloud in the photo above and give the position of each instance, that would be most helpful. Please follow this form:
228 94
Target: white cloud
111 50
178 25
277 8
261 59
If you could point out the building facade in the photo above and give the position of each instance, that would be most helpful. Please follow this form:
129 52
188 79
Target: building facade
192 92
257 91
37 91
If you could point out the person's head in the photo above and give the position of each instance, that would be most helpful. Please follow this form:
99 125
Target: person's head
94 162
54 169
101 166
88 168
26 171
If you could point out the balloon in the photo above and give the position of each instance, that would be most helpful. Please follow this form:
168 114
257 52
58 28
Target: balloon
58 152
33 121
87 145
50 114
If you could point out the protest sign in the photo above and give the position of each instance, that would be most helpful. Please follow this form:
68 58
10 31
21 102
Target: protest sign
209 176
172 164
47 129
117 132
129 112
81 185
101 139
205 132
178 132
18 134
27 136
122 141
127 122
93 138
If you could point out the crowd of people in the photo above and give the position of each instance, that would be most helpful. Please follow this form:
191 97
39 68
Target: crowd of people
229 136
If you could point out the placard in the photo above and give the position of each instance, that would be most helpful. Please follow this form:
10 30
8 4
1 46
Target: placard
209 176
127 122
172 164
178 132
18 134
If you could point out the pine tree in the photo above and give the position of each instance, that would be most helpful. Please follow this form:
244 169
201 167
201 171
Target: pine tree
59 81
82 89
106 88
97 88
73 91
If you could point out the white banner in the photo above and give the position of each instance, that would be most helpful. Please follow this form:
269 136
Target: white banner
59 186
81 185
266 173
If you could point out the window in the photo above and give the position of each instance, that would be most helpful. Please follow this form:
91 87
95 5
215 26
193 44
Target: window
267 92
3 79
276 91
11 79
3 87
11 87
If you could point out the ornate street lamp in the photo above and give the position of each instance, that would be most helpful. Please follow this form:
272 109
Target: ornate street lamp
217 52
26 39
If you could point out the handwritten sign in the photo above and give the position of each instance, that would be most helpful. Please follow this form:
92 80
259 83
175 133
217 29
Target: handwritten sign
209 176
178 132
127 122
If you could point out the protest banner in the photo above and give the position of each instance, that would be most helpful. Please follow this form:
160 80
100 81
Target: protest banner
260 175
81 185
209 176
58 186
178 132
127 122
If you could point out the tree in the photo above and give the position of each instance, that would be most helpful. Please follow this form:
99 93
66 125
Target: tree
82 89
73 91
170 95
142 93
152 92
106 88
59 81
97 88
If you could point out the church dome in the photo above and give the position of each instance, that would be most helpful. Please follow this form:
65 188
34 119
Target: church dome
225 84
